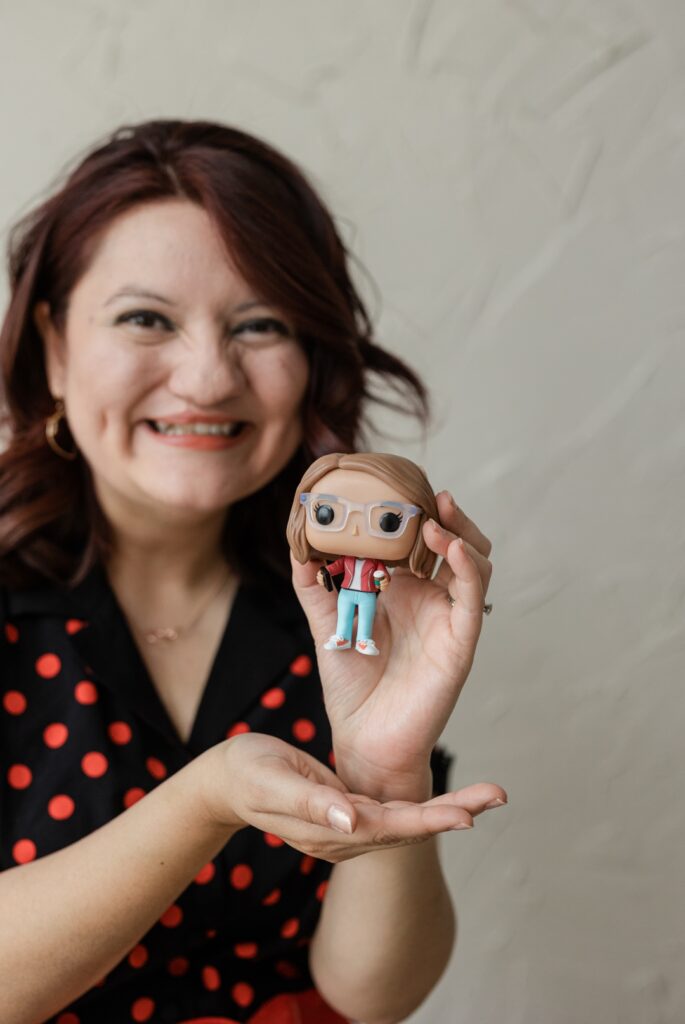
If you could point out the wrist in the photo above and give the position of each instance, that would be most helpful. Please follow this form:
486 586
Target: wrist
415 786
207 787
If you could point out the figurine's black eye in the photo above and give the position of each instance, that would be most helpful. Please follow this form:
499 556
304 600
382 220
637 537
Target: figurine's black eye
390 522
324 515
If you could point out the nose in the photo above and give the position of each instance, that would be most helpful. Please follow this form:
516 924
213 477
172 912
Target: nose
207 371
355 529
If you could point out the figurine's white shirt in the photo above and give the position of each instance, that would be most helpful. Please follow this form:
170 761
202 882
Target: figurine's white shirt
356 581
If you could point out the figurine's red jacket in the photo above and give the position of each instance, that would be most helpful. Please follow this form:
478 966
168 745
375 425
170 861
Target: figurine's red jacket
346 564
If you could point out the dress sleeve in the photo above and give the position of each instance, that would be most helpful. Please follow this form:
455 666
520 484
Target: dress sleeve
441 762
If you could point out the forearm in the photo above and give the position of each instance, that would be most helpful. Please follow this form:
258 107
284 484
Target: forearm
385 935
387 927
77 912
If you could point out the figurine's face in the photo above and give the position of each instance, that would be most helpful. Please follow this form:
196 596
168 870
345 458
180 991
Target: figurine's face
397 526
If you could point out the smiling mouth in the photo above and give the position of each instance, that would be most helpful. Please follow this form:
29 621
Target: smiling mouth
196 429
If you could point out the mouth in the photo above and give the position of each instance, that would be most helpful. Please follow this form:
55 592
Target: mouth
197 429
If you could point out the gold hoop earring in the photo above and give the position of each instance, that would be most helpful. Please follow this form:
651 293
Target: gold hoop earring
51 428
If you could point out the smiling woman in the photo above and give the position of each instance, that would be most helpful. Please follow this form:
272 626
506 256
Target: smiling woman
182 340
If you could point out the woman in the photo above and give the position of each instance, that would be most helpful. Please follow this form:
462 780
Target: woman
182 340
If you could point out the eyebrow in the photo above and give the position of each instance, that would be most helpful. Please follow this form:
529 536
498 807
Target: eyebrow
142 293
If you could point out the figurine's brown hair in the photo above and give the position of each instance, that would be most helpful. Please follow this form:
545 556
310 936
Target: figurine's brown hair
394 470
286 245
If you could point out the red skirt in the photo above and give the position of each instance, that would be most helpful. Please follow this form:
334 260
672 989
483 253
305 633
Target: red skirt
289 1008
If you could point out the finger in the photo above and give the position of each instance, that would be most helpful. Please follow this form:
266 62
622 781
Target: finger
319 606
445 573
475 799
455 519
398 822
281 789
467 590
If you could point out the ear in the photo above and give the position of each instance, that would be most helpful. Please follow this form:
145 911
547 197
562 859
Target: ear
54 348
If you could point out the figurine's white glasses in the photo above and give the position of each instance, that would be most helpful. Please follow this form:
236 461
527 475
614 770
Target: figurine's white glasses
383 518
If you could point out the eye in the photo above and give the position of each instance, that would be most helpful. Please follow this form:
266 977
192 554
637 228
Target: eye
324 515
390 522
143 318
260 328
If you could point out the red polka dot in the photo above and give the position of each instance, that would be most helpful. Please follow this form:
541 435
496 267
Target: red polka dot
271 840
273 897
24 850
321 889
14 702
19 776
133 795
243 993
74 626
55 735
48 666
138 956
211 979
94 764
61 807
86 692
156 768
119 732
236 729
301 666
246 950
273 698
331 758
287 970
172 917
178 966
68 1018
211 933
304 730
290 928
11 632
142 1009
205 874
241 876
307 864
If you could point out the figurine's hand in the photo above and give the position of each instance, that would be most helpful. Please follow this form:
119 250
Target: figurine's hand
387 712
320 578
385 583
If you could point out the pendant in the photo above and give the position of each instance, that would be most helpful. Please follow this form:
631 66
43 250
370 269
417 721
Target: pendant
156 636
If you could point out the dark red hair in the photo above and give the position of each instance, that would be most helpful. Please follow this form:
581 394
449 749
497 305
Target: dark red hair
284 243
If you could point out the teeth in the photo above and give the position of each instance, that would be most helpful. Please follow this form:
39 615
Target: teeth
178 429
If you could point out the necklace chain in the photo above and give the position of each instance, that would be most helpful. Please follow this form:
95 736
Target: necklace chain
167 634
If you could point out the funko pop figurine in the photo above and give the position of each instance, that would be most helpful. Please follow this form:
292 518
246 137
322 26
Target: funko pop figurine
364 510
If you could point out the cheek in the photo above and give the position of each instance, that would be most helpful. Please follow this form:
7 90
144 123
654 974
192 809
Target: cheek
281 387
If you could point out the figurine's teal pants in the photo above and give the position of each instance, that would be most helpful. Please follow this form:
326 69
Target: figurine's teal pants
366 603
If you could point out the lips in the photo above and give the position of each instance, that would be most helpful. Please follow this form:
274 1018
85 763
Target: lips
209 433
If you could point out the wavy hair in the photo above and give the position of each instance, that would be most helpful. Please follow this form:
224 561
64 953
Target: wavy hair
285 244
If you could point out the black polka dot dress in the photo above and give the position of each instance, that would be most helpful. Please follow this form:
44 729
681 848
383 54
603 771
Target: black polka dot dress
84 735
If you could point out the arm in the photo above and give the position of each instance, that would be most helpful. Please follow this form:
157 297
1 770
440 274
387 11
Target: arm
386 931
58 911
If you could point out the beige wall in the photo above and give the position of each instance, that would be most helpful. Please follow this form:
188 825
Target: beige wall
511 173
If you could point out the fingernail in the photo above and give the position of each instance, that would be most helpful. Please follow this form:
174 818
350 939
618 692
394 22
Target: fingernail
436 526
339 819
462 824
496 802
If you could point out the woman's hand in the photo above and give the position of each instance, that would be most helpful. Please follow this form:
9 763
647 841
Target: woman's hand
387 712
256 779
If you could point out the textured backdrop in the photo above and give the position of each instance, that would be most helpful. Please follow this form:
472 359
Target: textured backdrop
511 174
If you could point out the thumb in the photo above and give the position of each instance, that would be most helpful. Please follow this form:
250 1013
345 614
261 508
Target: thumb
310 801
318 604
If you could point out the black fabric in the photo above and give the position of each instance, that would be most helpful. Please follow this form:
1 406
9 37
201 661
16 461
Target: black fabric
83 733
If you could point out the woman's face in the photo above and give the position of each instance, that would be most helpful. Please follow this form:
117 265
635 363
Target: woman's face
187 398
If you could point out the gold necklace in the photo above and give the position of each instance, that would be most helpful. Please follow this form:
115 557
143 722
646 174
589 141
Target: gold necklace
166 634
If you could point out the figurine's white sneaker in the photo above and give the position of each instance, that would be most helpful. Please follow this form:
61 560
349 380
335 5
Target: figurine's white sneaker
337 643
366 647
